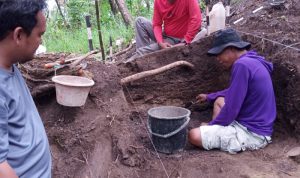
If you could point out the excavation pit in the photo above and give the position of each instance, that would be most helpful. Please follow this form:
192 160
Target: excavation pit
108 135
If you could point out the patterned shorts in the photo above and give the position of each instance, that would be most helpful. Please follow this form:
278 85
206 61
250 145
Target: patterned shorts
233 138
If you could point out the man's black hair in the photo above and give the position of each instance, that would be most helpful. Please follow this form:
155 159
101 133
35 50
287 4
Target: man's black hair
19 13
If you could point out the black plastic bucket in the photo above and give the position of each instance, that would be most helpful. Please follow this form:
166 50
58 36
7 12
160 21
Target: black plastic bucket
167 124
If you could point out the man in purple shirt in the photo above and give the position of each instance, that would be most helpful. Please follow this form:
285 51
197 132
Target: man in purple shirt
244 113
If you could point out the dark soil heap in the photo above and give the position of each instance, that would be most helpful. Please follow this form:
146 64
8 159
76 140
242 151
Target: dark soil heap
280 24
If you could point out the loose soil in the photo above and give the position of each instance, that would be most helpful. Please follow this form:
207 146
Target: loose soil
107 137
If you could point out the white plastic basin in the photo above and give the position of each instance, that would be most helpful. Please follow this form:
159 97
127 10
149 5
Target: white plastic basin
72 90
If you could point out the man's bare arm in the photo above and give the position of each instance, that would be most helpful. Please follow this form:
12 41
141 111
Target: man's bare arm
7 171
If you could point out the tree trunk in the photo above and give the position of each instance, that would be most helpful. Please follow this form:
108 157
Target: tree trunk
113 6
124 11
62 15
148 4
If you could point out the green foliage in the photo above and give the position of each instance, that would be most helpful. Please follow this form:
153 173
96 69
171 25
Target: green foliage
139 7
76 9
61 38
202 5
106 13
75 40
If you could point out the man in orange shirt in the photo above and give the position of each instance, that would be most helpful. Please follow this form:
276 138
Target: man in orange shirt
175 22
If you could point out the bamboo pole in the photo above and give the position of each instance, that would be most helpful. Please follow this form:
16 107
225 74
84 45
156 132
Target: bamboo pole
99 30
155 71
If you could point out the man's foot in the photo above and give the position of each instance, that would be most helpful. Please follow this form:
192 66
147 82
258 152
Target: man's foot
131 59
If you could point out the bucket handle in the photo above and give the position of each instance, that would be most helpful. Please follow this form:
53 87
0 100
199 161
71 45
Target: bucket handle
171 133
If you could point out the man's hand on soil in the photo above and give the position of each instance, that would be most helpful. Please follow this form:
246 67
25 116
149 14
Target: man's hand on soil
179 44
202 97
165 45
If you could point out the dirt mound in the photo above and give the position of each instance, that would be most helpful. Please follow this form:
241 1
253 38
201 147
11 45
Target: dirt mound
74 133
108 137
280 24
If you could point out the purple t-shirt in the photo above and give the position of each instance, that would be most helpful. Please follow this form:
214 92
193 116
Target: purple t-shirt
250 99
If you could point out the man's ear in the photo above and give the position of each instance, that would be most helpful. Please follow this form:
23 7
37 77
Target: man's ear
18 35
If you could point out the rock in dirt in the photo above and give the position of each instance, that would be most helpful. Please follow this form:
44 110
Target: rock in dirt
294 152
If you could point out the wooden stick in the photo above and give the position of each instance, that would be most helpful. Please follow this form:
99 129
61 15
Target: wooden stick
62 61
76 62
155 71
123 51
65 61
99 29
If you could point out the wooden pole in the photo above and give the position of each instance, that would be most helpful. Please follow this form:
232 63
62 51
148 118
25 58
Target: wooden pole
155 71
207 3
89 31
110 48
99 30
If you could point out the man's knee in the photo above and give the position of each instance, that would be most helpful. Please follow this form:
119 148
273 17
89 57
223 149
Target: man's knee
140 20
195 137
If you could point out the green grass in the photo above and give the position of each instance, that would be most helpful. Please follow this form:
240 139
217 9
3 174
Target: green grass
61 39
76 41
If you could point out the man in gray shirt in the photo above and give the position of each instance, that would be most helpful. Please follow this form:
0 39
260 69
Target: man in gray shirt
24 147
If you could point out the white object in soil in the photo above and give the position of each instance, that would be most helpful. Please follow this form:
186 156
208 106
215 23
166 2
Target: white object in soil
258 9
293 152
237 21
227 9
41 49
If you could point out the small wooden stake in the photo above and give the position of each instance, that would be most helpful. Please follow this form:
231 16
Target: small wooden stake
99 30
